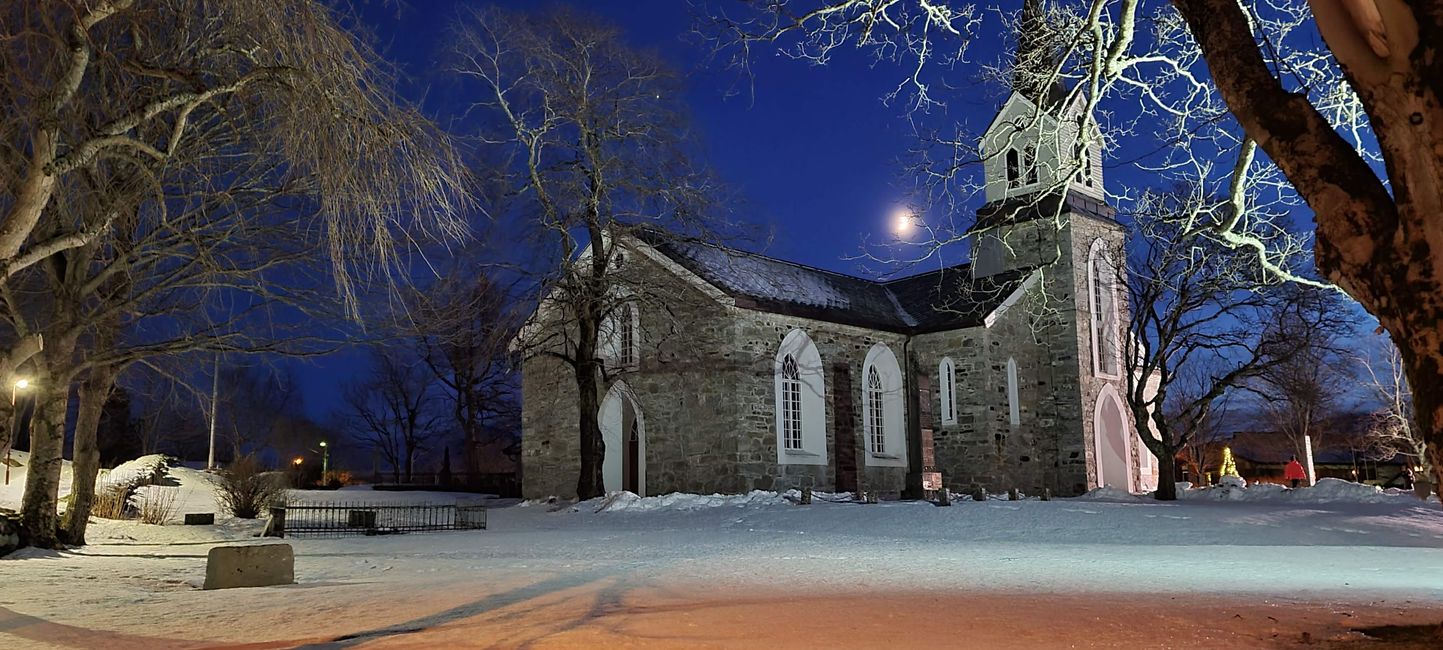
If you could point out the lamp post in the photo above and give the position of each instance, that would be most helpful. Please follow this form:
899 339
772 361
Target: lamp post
325 459
19 385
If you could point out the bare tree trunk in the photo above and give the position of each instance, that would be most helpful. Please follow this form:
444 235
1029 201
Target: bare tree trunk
590 483
39 508
1423 378
1166 477
93 394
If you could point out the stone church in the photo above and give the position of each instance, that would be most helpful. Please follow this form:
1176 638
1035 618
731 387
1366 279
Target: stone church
751 372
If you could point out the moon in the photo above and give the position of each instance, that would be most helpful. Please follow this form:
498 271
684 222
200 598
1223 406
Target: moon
904 221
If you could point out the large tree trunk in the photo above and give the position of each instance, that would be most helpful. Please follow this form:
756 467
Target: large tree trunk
1423 378
1166 477
590 483
39 508
92 395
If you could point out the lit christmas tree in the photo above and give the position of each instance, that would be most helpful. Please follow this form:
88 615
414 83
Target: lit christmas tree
1229 467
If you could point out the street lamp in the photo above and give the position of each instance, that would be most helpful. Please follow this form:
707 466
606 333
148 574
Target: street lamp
19 385
297 461
325 459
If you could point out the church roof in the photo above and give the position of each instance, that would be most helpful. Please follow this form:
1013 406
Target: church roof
934 301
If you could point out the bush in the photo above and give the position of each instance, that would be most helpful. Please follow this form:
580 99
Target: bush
157 504
244 490
336 479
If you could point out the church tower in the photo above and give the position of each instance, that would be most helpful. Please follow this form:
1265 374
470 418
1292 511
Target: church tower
1046 214
1038 162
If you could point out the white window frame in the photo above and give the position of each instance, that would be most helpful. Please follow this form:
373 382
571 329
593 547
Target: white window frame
811 401
876 425
621 336
947 390
1102 324
790 404
1014 403
892 415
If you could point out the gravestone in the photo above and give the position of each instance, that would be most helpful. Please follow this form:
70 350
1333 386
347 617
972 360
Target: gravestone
252 565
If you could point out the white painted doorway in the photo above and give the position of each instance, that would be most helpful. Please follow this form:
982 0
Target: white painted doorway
1113 441
624 431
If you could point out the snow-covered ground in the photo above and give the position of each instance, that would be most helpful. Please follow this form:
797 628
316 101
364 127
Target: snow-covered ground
1335 545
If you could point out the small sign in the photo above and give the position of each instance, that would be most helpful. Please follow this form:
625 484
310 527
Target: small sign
931 480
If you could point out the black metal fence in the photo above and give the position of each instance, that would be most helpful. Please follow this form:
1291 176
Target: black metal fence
348 519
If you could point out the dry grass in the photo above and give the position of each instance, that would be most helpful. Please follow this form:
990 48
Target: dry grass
158 504
110 503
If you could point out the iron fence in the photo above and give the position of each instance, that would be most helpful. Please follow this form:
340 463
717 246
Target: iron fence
347 519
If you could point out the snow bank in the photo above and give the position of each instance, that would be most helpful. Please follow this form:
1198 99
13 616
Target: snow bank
133 472
630 502
11 493
1328 490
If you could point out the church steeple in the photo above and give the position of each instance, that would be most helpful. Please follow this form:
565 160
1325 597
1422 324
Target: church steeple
1035 60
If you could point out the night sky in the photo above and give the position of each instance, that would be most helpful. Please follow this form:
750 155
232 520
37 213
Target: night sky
811 153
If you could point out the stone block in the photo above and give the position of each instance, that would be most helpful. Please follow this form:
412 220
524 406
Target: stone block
252 565
199 518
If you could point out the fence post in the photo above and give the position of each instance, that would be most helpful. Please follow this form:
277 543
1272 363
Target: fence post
276 527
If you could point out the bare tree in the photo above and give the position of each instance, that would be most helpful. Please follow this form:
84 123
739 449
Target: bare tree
116 107
462 326
1391 429
1306 390
598 152
1202 311
395 410
1208 436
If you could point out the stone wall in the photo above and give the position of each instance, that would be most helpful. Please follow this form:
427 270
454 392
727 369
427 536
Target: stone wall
683 385
843 349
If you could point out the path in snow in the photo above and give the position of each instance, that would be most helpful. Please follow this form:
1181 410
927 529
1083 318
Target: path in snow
698 570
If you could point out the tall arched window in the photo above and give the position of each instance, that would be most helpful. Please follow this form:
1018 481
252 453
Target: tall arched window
1102 302
800 402
947 390
1029 163
627 330
791 404
876 420
884 415
1014 403
1014 168
619 336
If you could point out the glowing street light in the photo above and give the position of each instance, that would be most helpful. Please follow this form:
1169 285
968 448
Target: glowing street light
19 385
297 461
325 459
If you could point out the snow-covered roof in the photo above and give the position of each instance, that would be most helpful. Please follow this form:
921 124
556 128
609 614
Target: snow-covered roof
948 298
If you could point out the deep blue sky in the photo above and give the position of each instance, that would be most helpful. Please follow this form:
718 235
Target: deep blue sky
811 153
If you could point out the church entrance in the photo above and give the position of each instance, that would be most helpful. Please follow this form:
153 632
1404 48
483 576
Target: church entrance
1109 426
624 432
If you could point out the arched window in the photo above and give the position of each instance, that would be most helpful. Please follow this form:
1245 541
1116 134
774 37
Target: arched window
947 390
1029 163
791 404
627 346
884 416
1014 404
800 402
876 420
619 337
1102 302
1014 169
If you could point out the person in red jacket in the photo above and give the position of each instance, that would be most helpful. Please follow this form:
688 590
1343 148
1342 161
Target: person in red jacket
1294 473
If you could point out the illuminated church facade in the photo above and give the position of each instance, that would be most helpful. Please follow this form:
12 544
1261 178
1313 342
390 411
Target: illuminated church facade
759 373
